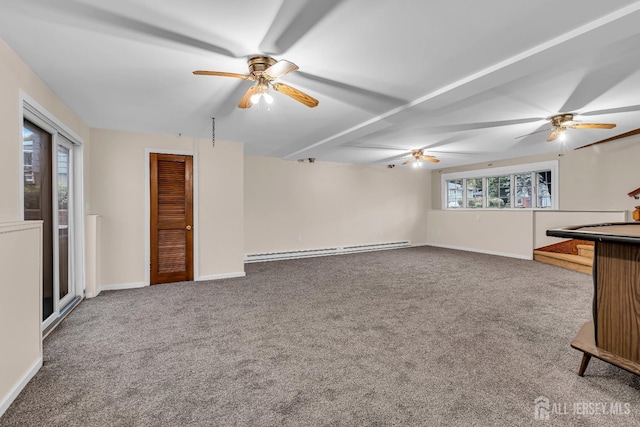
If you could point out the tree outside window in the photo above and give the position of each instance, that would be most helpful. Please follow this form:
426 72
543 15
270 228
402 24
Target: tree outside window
499 192
524 190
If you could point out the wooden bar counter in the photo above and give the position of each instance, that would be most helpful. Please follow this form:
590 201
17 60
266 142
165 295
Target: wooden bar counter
614 333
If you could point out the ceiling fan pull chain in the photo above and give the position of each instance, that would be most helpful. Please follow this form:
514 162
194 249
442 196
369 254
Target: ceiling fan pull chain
213 132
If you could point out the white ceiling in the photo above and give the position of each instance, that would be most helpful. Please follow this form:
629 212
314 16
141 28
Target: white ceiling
460 78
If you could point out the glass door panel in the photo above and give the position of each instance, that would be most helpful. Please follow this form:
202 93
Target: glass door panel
38 204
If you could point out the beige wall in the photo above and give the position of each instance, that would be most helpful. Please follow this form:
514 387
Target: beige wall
16 76
297 206
119 188
506 233
20 308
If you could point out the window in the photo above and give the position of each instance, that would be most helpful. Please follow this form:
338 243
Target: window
544 189
474 193
27 161
454 190
528 186
523 189
499 190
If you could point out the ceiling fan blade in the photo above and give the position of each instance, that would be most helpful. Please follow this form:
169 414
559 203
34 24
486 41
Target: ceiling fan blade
362 98
593 126
377 147
430 159
279 69
533 133
626 109
83 15
245 102
294 19
407 161
613 138
221 73
296 94
460 153
553 135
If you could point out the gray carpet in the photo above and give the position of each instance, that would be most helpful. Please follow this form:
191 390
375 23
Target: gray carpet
420 336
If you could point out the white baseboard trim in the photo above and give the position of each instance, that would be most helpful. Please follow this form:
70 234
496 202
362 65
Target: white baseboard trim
481 251
309 253
417 245
136 285
121 286
4 405
221 276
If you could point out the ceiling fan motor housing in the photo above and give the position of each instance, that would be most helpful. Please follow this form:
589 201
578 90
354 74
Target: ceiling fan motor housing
258 64
561 119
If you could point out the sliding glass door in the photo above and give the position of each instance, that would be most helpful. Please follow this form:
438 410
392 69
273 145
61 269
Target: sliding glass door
48 197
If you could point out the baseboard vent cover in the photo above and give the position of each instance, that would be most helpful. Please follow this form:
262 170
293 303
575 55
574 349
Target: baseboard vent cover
274 256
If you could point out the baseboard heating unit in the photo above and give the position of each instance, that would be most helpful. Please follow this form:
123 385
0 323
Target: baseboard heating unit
274 256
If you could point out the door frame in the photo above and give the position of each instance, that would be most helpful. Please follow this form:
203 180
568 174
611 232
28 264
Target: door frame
40 116
147 209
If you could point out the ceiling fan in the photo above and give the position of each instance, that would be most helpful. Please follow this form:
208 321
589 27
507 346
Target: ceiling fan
561 122
418 155
264 70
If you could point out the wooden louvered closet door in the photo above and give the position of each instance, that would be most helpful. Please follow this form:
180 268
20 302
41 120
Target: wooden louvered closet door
171 218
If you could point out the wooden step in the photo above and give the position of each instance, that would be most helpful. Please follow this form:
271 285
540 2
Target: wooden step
583 264
585 250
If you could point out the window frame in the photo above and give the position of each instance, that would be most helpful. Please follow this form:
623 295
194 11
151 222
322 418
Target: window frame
534 168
